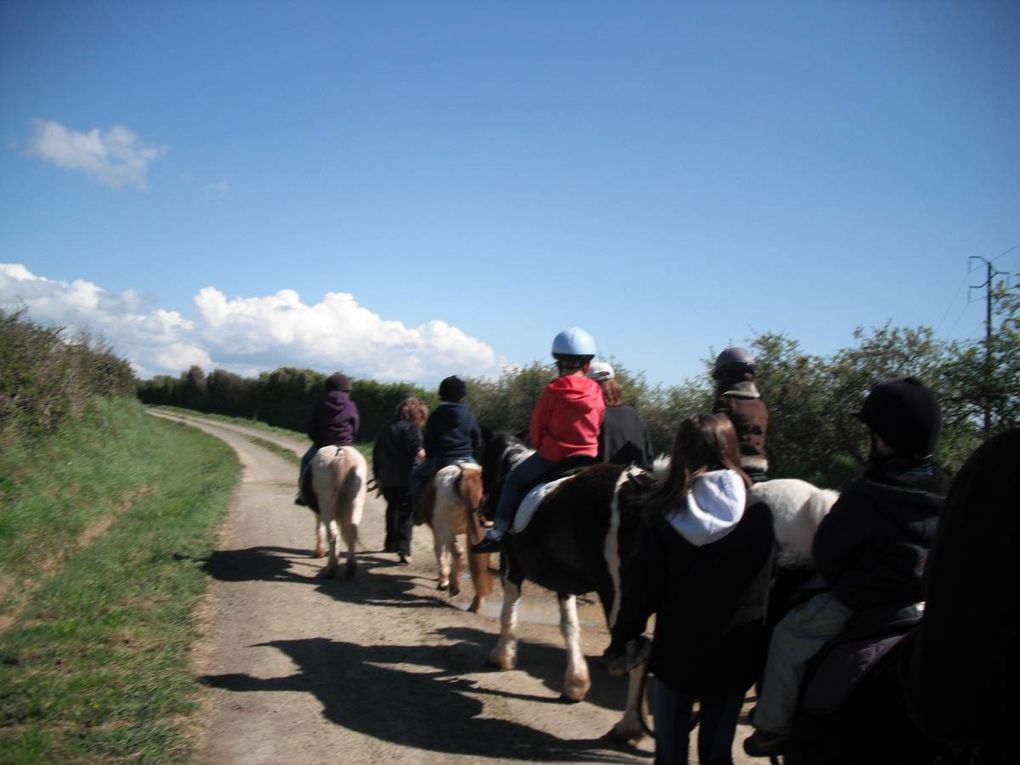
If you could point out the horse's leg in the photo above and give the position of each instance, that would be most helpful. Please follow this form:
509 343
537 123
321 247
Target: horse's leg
349 531
320 537
504 655
480 577
629 727
576 682
458 562
333 547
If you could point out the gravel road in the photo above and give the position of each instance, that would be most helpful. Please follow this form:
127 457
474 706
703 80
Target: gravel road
301 669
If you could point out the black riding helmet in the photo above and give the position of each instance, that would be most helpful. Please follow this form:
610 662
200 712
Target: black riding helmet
733 361
905 414
452 389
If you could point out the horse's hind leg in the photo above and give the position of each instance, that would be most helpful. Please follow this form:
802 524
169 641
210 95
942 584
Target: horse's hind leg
458 564
629 727
504 655
320 537
350 535
576 682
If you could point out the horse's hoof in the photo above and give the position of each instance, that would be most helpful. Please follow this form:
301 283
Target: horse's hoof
476 605
626 732
443 586
570 700
319 554
502 663
349 573
455 589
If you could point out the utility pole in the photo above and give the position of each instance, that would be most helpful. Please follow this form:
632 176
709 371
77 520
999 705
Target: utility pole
990 273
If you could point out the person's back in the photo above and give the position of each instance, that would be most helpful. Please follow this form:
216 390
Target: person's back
452 435
960 668
738 398
623 439
703 567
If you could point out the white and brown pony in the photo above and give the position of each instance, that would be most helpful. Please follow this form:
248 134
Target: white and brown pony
449 504
339 475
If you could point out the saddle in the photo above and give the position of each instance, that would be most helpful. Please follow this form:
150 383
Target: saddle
846 659
557 474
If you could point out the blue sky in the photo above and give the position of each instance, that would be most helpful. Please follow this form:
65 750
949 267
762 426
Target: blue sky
410 189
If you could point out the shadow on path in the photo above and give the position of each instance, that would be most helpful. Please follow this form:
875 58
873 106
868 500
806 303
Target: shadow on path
431 707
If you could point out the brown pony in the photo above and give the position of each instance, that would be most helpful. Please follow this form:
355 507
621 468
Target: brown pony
449 505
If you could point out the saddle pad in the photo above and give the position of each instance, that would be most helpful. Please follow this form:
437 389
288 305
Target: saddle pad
841 669
531 502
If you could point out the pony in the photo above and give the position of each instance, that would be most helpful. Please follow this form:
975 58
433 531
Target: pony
449 505
339 475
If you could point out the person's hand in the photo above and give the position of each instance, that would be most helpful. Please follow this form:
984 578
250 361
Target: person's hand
373 485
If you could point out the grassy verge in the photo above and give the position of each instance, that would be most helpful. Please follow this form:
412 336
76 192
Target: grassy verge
102 539
365 447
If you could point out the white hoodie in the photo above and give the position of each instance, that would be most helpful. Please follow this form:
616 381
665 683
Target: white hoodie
712 508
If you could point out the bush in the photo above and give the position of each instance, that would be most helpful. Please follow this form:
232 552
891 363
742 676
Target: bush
46 380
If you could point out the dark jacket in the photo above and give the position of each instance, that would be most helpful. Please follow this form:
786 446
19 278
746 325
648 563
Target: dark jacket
743 404
452 433
872 546
961 668
710 603
334 420
624 439
394 452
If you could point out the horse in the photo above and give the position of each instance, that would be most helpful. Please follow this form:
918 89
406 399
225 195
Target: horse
449 505
571 546
339 475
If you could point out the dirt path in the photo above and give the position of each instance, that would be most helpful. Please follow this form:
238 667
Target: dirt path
384 668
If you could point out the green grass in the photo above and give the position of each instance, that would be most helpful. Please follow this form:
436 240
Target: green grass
102 537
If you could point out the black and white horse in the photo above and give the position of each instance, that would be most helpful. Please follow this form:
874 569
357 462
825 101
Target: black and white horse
570 546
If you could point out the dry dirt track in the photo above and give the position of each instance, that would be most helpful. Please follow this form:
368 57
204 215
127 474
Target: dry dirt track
383 668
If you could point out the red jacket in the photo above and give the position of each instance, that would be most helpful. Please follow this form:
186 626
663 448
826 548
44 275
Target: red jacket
567 418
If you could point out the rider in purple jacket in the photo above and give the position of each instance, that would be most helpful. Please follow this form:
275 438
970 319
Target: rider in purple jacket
333 422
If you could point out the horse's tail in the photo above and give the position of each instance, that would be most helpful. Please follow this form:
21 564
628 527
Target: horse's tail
350 478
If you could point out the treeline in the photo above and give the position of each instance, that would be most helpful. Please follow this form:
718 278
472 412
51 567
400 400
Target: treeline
47 379
283 398
812 435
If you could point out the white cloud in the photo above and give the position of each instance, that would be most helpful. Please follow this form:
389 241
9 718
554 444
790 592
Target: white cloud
220 188
115 157
249 335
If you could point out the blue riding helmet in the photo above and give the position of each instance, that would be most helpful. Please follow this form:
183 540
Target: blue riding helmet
573 342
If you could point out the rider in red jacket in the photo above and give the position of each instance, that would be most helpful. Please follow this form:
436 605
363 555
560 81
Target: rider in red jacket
564 423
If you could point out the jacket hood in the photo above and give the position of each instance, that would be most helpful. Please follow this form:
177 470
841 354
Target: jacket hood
712 509
577 389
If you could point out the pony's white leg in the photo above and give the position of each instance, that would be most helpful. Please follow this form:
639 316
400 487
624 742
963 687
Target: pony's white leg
442 555
629 727
332 547
504 655
350 535
458 563
576 682
320 537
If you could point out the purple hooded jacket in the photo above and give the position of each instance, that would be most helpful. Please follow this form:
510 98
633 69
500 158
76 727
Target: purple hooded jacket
334 420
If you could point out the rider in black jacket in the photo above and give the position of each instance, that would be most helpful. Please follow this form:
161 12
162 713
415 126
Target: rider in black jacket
871 547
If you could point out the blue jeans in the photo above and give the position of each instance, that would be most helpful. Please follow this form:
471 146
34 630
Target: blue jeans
515 486
671 710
